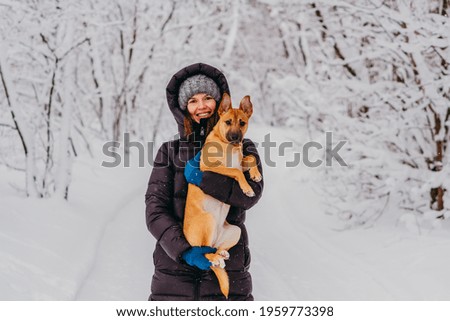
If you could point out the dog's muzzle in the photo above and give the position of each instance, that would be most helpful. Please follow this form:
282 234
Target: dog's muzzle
234 138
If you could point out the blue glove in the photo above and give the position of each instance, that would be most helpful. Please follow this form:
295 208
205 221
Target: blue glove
195 256
192 170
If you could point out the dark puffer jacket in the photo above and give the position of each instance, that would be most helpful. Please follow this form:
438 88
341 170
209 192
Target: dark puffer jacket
165 202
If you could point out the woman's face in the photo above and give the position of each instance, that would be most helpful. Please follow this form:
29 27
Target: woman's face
201 106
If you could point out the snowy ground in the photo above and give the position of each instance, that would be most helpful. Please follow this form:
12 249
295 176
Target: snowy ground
96 246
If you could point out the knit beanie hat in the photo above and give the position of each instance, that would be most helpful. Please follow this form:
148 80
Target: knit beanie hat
195 85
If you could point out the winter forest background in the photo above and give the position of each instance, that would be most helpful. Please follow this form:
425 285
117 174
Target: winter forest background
76 74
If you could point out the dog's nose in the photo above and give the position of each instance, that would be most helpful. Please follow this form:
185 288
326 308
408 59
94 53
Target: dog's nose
234 136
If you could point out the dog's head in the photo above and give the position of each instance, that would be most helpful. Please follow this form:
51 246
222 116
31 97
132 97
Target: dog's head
233 123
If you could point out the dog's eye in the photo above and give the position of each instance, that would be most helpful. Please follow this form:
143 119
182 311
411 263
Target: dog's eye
228 122
242 123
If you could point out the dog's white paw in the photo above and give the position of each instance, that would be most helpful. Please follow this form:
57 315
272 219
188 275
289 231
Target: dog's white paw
257 178
224 254
250 193
219 263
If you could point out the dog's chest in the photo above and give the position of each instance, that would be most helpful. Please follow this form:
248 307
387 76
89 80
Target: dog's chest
234 159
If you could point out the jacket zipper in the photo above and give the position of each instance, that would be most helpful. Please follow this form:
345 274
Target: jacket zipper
197 281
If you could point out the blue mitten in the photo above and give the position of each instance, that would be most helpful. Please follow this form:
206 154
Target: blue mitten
195 256
192 170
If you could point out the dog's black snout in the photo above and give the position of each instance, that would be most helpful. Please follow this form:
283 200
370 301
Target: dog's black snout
234 136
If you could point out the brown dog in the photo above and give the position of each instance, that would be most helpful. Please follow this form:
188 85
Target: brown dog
205 217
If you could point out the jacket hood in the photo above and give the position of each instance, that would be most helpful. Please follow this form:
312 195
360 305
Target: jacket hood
175 82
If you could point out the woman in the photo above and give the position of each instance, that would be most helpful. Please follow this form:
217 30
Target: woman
181 271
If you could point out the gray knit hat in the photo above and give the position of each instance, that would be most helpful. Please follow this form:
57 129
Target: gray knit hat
195 85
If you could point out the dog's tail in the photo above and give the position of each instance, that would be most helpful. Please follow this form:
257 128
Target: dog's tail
222 276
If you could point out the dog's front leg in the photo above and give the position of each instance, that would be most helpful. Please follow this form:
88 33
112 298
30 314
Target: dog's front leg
249 164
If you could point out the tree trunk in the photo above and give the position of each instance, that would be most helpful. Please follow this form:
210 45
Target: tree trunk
64 172
19 124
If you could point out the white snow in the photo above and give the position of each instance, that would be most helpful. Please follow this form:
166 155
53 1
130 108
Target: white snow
96 246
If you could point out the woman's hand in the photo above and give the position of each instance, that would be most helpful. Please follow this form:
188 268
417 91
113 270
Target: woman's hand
195 256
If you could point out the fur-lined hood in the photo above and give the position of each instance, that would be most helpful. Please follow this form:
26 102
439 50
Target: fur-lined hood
174 85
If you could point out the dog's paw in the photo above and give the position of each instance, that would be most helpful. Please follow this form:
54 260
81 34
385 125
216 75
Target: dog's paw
256 178
224 254
216 260
222 263
249 193
218 263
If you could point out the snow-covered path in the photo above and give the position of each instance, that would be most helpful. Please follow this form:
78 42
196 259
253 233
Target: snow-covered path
123 265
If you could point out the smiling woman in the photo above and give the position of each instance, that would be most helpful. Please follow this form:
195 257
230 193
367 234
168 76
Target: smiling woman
198 97
201 106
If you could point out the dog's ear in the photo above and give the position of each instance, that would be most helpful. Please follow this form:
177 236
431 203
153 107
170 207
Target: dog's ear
225 104
246 106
